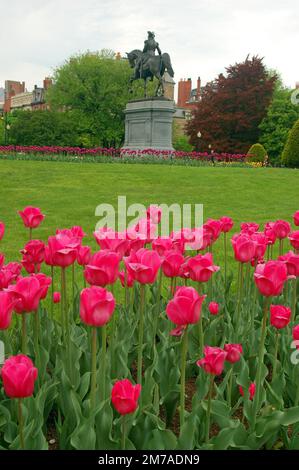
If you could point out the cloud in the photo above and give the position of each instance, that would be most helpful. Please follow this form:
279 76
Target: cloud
202 36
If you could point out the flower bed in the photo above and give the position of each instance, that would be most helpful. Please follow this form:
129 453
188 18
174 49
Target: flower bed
101 370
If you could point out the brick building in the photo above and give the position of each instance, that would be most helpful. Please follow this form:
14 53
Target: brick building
188 97
17 97
12 88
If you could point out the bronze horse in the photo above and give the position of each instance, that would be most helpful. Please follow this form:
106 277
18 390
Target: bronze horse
154 66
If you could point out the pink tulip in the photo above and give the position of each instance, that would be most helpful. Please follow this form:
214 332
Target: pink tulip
185 307
161 245
294 239
296 335
291 260
251 390
296 218
107 239
75 232
124 396
226 224
136 240
2 230
147 229
28 292
56 297
270 234
33 255
83 255
244 247
201 267
213 361
31 216
96 306
270 278
45 282
281 229
261 242
202 239
9 273
213 308
62 250
280 316
213 227
102 268
172 262
2 259
19 375
234 352
249 227
154 213
7 304
126 279
143 265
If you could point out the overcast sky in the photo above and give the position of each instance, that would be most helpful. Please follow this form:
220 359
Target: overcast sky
201 36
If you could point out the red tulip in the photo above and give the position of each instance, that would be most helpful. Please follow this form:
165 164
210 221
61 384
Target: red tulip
213 361
249 227
147 229
294 239
291 261
19 375
185 307
74 232
161 245
62 250
143 265
33 255
126 279
31 216
136 240
244 247
172 263
234 352
109 240
96 306
83 255
7 304
270 278
296 219
281 229
56 297
201 267
102 268
2 259
251 391
261 242
28 291
2 230
202 239
124 396
213 308
280 316
226 224
154 213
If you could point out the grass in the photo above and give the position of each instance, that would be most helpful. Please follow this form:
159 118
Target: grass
68 193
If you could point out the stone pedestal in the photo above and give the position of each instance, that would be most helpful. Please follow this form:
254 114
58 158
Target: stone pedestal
149 124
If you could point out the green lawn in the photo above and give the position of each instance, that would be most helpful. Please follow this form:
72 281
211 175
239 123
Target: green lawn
68 193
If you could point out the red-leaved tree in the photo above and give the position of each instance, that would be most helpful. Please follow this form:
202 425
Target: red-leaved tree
232 107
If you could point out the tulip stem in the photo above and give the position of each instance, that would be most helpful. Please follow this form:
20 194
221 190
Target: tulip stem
275 355
297 392
103 361
280 246
73 282
256 401
200 329
183 377
36 340
209 408
123 435
230 387
158 303
24 334
52 293
21 423
140 336
62 307
30 233
294 300
225 262
93 369
240 292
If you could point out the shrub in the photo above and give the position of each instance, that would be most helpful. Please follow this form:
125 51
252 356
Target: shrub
290 154
181 143
256 153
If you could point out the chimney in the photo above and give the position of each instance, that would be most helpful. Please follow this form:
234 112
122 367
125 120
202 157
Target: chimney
198 87
184 91
47 83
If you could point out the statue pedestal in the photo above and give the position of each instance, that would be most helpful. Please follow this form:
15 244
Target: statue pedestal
149 124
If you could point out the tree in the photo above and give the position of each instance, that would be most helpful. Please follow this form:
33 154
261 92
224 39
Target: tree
69 128
232 107
280 118
96 86
256 153
290 154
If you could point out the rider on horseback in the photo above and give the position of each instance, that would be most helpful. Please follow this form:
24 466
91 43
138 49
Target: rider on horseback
150 47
